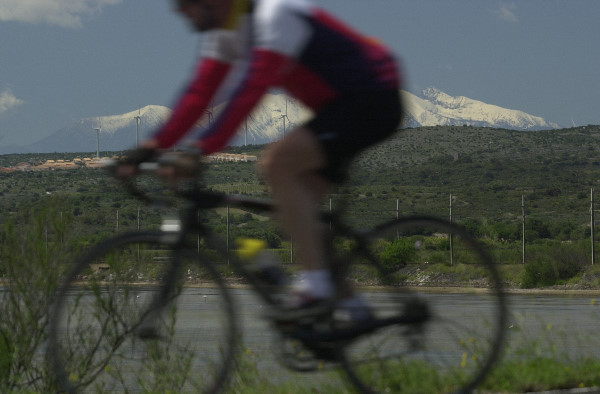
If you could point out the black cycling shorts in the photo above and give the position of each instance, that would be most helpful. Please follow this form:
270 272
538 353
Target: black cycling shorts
352 123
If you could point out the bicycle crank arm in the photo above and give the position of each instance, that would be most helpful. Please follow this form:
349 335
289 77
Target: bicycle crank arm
312 337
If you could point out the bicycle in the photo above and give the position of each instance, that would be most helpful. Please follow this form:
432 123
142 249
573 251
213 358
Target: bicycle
112 330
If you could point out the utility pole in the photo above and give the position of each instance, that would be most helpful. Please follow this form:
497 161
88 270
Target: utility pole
138 229
397 217
523 228
198 236
451 236
227 236
592 225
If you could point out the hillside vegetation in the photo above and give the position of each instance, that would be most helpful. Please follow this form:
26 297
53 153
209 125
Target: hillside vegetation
487 171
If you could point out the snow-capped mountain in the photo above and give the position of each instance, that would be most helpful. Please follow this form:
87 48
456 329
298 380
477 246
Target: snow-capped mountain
433 108
275 115
276 111
117 132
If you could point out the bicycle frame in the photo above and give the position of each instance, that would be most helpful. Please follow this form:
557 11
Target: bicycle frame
198 199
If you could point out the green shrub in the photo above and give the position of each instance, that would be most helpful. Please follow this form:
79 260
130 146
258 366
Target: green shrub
397 254
35 246
538 274
555 266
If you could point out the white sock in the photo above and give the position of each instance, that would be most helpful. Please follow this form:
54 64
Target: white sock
317 283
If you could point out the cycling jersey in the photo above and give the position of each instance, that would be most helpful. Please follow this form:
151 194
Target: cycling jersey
290 44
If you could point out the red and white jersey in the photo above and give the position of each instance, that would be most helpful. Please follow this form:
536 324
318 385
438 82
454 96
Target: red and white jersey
289 44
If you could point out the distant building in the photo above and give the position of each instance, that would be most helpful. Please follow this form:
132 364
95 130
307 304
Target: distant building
61 164
231 157
56 165
23 166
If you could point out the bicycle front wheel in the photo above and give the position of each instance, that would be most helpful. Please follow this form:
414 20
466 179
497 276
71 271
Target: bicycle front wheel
122 321
445 295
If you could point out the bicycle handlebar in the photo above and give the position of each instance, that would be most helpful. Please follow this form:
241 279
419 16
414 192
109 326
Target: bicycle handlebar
200 197
145 168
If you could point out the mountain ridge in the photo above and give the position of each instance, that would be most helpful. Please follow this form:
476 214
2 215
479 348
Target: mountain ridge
436 108
272 118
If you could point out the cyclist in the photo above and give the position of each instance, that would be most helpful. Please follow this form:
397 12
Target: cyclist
350 81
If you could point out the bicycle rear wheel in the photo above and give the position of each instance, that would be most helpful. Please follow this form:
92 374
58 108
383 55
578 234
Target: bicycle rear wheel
452 332
122 322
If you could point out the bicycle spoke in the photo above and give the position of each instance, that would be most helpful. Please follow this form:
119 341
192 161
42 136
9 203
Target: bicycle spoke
453 346
115 329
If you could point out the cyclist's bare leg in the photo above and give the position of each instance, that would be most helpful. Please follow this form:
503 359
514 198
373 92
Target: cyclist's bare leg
291 167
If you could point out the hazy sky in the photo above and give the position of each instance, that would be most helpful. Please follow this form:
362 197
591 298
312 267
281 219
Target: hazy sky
62 60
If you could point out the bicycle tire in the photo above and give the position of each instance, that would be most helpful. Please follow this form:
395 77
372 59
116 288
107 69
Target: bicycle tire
129 325
455 348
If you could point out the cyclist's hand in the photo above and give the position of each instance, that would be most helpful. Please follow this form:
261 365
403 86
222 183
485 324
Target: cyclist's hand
176 167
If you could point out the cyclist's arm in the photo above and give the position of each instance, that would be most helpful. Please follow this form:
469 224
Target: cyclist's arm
279 36
266 69
193 103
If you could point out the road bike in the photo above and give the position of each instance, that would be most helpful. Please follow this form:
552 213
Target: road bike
152 310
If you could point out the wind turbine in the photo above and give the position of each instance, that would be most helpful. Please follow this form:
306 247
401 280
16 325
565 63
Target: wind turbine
138 119
284 116
98 129
246 129
209 112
